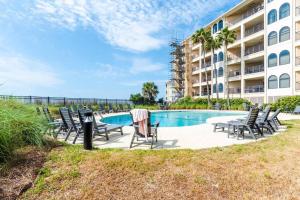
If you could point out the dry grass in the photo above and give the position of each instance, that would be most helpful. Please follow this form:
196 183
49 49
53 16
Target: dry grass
268 169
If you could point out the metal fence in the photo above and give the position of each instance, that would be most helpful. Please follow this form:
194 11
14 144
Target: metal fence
63 100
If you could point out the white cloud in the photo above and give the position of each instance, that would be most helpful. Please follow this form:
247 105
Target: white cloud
143 65
20 74
134 25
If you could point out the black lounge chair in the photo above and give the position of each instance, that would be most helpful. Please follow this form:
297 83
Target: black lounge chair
99 128
273 119
263 122
69 123
296 110
238 127
250 125
152 131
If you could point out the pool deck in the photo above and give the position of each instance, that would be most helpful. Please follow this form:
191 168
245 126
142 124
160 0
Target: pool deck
188 137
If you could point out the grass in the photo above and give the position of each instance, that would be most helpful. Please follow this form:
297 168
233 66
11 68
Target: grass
268 169
19 126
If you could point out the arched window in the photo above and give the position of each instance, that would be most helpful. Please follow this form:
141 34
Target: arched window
272 38
284 10
221 87
215 58
272 16
284 57
214 88
272 60
215 28
220 72
284 34
284 81
220 25
273 82
221 56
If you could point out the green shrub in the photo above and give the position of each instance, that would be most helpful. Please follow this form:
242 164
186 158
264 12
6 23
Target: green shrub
202 103
288 103
19 126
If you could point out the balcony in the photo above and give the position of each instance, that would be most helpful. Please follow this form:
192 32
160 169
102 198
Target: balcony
247 14
205 93
195 69
254 29
297 61
297 85
234 73
231 58
204 79
195 81
206 65
298 11
254 89
255 69
297 35
254 49
234 90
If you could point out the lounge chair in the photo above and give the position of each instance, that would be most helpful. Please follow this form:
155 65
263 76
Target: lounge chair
217 106
99 128
238 127
246 107
70 124
297 110
263 122
38 110
273 119
52 123
250 125
152 131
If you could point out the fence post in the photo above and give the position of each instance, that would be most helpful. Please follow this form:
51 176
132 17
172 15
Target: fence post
106 102
48 100
30 99
64 101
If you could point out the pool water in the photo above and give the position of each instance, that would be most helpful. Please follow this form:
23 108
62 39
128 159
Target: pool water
171 118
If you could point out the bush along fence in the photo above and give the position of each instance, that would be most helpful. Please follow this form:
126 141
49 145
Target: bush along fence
63 100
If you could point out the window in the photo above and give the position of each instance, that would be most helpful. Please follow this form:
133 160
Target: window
215 28
272 38
220 25
221 56
284 10
284 81
284 57
220 87
284 34
269 1
272 60
272 16
273 82
220 72
214 88
215 58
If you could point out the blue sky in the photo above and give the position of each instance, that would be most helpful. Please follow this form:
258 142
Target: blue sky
93 48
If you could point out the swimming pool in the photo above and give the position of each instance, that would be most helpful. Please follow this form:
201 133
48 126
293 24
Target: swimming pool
172 118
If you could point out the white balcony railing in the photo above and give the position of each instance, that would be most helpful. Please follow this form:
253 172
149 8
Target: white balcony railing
254 49
255 89
255 69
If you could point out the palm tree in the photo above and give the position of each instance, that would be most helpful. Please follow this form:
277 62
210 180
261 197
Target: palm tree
202 36
227 37
211 45
150 91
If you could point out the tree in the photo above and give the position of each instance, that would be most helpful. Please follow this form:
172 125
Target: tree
227 37
150 91
202 36
213 44
136 99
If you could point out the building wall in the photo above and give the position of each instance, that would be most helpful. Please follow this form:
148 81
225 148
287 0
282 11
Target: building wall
253 86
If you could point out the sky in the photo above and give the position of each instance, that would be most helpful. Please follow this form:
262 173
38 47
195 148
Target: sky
94 48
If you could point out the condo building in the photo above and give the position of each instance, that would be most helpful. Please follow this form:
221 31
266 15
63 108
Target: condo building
264 60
